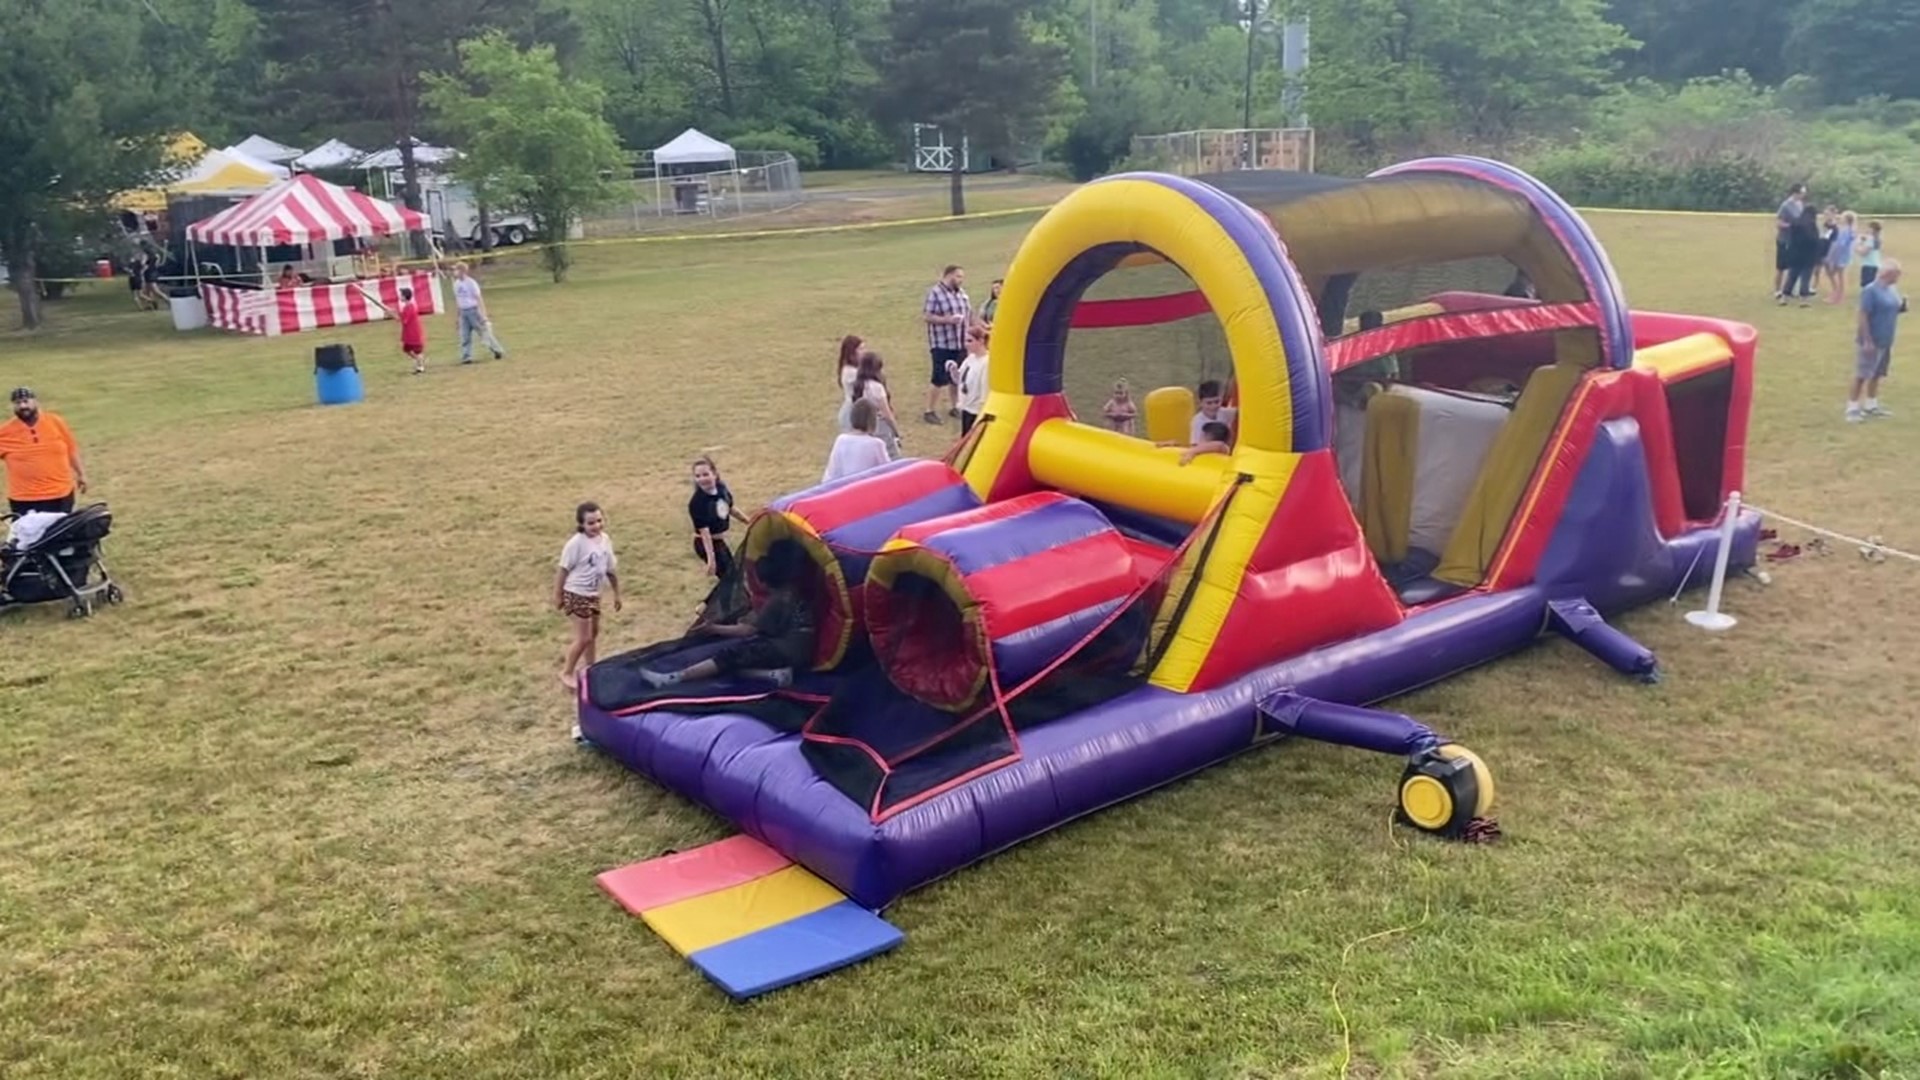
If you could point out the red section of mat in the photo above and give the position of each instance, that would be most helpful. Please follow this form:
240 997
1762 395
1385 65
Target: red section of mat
680 876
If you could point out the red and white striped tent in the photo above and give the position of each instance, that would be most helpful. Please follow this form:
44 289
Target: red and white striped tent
304 209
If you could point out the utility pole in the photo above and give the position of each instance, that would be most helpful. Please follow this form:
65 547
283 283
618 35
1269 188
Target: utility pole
1093 44
1253 34
1294 48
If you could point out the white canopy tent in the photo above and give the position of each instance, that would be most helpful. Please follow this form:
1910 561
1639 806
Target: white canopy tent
332 154
265 149
422 155
694 147
688 149
387 164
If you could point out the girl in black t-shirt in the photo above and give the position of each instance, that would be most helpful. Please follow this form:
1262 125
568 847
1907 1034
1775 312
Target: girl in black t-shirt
712 510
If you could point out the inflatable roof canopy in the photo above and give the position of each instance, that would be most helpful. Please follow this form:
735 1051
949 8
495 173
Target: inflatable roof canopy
1061 616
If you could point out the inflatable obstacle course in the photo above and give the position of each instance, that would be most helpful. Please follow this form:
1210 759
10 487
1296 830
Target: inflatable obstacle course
747 917
1540 457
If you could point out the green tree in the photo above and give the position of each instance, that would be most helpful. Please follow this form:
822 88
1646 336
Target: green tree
1393 71
530 139
980 69
793 68
76 127
1696 39
1857 48
356 69
209 54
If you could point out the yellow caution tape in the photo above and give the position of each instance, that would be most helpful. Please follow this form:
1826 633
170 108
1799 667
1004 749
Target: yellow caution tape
675 238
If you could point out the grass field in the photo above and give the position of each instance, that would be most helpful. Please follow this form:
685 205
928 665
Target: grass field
305 807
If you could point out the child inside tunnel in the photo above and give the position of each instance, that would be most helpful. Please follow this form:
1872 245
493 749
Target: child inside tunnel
772 641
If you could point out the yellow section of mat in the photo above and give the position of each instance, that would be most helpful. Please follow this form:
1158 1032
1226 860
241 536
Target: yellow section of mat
701 922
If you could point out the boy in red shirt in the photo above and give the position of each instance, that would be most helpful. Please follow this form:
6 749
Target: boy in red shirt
413 335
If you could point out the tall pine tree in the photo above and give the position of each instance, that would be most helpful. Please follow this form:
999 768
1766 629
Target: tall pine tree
357 68
980 69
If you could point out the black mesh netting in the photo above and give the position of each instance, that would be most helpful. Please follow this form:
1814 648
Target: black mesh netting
1390 288
887 751
1183 352
883 748
617 685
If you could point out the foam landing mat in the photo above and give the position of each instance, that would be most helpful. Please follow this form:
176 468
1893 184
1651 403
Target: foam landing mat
747 916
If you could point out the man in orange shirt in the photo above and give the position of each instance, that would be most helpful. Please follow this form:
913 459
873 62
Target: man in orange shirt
42 459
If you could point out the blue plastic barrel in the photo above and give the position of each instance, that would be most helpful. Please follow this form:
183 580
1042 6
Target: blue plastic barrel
336 377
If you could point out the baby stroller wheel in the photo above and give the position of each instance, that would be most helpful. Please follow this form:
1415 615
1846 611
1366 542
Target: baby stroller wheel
80 609
115 596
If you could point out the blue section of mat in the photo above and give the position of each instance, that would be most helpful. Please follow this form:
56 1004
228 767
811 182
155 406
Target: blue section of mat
828 939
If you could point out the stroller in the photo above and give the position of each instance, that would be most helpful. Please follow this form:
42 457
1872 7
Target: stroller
64 564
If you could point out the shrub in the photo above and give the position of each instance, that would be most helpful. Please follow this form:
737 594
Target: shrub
1598 176
852 143
804 150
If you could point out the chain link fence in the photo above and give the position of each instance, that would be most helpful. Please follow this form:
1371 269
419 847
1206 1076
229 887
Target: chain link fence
665 199
1194 153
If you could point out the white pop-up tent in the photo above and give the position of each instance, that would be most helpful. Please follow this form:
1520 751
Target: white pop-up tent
387 165
694 147
265 149
422 155
690 152
332 154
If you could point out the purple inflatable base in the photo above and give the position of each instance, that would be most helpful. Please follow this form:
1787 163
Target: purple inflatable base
1604 551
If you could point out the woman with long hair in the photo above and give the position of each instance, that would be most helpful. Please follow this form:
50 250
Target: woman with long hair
845 370
870 385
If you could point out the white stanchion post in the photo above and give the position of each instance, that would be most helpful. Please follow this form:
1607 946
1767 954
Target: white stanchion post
1713 618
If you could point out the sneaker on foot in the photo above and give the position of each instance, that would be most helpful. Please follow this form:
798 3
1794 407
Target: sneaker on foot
953 414
930 417
498 355
580 738
1876 412
1854 415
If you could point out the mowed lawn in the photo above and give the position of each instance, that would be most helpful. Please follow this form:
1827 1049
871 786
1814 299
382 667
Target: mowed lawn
306 807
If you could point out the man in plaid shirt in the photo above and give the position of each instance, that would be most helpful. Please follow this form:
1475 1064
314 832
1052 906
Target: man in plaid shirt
947 312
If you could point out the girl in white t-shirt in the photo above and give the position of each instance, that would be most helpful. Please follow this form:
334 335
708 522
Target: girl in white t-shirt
871 386
970 377
587 563
847 369
858 450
